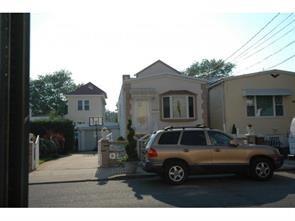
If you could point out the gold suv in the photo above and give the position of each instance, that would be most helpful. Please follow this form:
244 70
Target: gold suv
175 153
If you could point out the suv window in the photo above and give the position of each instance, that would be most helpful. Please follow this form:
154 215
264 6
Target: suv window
169 137
218 138
196 138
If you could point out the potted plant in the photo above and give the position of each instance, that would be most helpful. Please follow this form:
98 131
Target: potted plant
132 158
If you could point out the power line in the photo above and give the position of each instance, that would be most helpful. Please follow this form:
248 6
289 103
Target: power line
253 36
247 49
282 62
276 52
274 34
285 34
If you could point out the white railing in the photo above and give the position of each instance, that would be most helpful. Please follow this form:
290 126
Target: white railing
141 143
34 153
109 137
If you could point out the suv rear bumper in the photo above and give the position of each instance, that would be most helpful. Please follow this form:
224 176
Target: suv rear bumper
150 167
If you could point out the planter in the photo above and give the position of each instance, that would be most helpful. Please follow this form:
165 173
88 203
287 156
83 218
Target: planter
131 167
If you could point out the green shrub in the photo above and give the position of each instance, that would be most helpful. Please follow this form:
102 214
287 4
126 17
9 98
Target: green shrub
47 148
60 128
120 138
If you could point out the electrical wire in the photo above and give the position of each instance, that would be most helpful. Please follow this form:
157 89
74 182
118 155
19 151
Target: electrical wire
276 52
252 37
282 62
285 34
268 33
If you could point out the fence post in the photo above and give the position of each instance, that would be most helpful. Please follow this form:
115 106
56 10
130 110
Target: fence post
37 152
104 146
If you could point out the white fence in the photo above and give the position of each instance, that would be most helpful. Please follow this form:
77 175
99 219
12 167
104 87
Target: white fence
33 153
141 143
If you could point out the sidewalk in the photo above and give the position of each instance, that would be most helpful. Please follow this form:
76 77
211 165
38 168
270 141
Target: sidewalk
83 168
85 175
79 168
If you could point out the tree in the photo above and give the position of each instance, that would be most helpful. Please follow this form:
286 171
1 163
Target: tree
47 92
131 146
210 69
111 116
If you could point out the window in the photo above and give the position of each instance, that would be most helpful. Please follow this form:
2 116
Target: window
218 138
264 105
86 104
279 106
195 138
267 106
80 105
178 107
250 106
83 105
169 138
166 107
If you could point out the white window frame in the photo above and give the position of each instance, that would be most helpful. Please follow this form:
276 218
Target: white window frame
171 107
273 104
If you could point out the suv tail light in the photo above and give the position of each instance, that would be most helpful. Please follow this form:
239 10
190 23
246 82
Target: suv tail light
152 153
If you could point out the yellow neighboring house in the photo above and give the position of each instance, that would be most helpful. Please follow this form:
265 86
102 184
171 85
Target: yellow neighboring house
266 100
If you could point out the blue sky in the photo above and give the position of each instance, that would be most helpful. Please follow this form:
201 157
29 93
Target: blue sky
101 47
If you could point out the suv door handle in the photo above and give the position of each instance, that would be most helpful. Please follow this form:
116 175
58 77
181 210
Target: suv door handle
217 150
185 150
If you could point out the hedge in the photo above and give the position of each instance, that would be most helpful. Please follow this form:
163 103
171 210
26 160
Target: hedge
60 126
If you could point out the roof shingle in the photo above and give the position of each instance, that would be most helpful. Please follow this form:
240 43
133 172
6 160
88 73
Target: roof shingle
88 89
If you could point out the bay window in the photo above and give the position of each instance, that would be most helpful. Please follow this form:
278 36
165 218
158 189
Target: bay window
178 106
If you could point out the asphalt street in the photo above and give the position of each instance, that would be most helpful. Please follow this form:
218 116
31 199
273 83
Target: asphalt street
200 191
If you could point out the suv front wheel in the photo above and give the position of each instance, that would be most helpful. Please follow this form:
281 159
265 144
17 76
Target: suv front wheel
175 172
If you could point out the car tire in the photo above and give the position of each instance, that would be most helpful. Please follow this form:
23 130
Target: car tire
261 169
175 172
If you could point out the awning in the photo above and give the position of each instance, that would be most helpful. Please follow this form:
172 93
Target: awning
266 92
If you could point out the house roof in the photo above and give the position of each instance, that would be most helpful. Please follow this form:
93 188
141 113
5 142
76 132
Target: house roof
88 89
273 71
157 62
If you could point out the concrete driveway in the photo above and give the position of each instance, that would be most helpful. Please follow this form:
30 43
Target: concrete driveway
81 166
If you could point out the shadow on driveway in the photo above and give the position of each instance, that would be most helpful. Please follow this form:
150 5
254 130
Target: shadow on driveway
218 191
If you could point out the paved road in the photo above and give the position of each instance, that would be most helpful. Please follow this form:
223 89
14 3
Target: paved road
208 191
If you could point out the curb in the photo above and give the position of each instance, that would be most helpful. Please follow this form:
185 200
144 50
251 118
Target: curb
123 177
115 177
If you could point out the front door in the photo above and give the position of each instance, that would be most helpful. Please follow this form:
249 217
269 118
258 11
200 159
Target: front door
141 115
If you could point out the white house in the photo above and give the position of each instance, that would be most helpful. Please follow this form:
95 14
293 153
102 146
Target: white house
160 96
88 101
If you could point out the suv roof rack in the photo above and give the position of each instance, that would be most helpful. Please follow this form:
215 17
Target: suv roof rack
185 127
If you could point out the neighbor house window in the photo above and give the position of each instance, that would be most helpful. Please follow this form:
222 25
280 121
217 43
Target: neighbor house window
86 105
178 107
83 105
264 106
80 105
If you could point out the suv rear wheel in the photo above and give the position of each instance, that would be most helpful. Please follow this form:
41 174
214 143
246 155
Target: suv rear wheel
261 169
175 172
